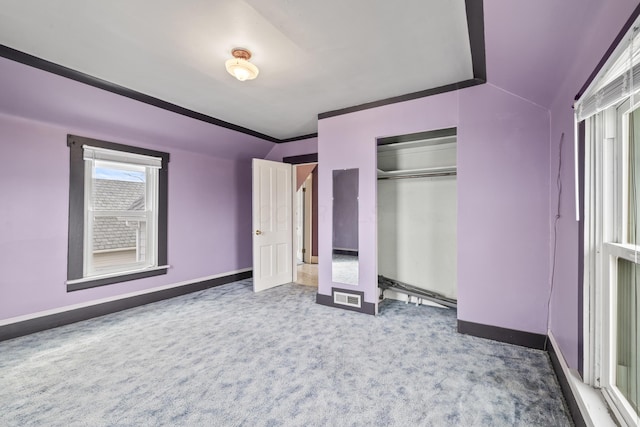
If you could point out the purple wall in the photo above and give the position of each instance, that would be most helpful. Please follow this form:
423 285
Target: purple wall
209 215
503 240
35 94
209 187
503 161
295 148
529 44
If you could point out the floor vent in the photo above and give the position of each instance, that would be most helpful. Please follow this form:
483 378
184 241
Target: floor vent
344 298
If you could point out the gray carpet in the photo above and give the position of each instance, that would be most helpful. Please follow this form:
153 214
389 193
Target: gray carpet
229 357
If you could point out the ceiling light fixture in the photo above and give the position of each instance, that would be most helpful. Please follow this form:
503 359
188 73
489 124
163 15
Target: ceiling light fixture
240 67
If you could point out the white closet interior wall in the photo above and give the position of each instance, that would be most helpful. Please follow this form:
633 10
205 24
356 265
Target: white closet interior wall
417 216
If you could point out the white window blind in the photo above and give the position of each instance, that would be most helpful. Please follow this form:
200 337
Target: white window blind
95 153
616 81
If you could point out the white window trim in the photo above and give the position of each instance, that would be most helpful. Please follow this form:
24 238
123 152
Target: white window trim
121 160
606 171
119 157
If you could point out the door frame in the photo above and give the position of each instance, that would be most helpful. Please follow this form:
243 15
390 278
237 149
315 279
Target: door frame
297 161
308 219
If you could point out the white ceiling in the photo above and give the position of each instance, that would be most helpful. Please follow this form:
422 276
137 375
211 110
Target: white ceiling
314 56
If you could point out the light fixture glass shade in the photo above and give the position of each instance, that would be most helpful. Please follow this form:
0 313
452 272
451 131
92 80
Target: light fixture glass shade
241 69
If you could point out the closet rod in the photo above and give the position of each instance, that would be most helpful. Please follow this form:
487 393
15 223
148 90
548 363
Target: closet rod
419 175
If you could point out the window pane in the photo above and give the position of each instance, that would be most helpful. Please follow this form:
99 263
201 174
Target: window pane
627 333
118 241
118 187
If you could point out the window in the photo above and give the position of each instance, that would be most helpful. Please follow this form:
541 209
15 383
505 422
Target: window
608 118
117 213
613 255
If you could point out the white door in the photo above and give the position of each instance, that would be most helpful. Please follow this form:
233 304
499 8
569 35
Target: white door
272 224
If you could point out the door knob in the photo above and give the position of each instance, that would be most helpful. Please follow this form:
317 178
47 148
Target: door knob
258 232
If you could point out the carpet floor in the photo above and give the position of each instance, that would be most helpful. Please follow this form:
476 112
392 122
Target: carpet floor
228 357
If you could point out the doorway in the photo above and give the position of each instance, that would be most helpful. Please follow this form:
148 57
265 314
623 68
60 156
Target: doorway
306 224
278 213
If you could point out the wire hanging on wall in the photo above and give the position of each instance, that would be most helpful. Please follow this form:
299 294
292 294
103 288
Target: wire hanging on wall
555 237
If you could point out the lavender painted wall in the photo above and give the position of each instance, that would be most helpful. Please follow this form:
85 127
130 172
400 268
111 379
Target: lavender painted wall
35 94
503 162
529 44
605 24
295 148
33 217
209 215
209 186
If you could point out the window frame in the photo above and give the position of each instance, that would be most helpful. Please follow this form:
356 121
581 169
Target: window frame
148 217
606 208
76 280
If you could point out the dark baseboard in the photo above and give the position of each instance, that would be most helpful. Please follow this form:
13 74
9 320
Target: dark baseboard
531 340
38 324
345 252
367 307
569 398
509 336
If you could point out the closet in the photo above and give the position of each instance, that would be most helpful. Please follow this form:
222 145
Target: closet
417 214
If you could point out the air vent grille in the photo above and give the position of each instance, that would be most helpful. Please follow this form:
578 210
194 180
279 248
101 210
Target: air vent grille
350 300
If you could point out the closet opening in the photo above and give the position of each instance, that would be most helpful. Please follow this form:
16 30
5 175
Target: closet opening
417 218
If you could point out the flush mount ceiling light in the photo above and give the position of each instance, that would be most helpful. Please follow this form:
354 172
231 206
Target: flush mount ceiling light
240 67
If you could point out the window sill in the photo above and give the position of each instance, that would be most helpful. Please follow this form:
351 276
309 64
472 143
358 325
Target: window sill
93 282
590 401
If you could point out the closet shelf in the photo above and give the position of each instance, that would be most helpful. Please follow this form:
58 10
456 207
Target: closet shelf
416 173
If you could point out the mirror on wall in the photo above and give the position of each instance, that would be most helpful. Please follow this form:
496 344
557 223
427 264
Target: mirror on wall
344 260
